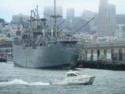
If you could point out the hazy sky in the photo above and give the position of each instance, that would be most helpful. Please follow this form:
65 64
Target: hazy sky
12 7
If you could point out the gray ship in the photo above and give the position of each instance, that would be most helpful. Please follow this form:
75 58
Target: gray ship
40 47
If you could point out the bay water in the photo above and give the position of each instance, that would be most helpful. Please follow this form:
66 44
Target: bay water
17 80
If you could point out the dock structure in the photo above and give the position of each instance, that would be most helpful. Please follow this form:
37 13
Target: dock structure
103 55
110 51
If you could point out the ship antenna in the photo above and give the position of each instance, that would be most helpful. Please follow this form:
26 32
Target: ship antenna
55 18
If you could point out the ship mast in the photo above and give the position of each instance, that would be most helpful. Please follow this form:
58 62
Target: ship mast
37 14
55 19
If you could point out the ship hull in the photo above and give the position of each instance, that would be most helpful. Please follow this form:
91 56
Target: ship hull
44 57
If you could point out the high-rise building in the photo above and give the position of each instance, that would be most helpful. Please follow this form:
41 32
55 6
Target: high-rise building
17 18
120 30
102 18
49 12
70 13
111 20
2 22
106 19
120 19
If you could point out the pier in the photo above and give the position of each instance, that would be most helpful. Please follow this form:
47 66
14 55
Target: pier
103 55
102 65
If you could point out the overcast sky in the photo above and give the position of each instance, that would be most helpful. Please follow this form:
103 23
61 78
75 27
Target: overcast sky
12 7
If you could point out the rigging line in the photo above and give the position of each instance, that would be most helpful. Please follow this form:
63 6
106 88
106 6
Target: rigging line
41 23
20 19
37 15
60 23
82 26
75 25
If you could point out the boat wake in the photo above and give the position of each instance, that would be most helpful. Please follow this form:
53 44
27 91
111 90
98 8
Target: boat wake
21 82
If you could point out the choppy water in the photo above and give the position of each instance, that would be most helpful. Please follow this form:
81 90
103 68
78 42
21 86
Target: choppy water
15 80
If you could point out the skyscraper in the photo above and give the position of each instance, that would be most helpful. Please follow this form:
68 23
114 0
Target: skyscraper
70 13
16 18
106 19
49 11
111 20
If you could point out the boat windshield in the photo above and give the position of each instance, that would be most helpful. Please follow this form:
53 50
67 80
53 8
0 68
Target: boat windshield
71 74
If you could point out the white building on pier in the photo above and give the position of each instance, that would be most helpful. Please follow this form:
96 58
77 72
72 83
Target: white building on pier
111 50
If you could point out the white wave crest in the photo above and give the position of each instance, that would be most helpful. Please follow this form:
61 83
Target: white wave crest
39 83
21 82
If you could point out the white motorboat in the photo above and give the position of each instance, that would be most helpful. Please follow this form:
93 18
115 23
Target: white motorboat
72 78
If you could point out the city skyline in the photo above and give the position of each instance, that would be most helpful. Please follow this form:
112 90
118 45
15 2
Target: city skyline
14 7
